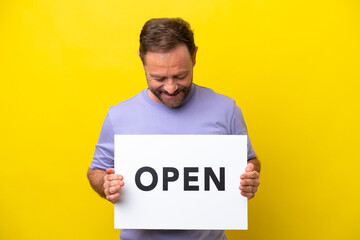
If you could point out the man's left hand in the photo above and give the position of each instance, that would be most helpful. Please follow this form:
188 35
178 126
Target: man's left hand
249 181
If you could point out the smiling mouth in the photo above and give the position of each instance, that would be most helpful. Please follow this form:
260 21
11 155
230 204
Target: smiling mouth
172 95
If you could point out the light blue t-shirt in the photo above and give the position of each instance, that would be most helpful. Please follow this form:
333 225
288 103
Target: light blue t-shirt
202 112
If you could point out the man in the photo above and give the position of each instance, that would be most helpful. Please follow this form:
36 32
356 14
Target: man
172 104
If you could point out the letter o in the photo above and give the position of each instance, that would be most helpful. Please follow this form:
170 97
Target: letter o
139 183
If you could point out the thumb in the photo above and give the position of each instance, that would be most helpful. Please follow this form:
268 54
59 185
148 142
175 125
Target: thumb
110 171
250 167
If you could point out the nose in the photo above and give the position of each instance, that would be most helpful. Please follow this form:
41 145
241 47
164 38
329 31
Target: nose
171 86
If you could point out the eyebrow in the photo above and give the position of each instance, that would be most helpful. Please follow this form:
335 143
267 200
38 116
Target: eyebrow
163 76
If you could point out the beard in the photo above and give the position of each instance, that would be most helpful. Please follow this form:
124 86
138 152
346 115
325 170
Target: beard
174 102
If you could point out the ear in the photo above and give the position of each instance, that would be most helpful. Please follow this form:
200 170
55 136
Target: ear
194 58
138 53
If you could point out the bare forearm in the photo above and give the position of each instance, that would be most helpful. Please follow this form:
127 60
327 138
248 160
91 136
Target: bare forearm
96 179
257 165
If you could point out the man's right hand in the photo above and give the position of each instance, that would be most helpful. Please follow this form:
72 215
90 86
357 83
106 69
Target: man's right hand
112 185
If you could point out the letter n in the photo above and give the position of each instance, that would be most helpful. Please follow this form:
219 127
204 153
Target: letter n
220 184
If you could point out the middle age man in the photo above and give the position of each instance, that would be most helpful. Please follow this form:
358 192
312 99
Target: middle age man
172 104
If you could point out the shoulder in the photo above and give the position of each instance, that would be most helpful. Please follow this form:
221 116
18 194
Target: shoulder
127 105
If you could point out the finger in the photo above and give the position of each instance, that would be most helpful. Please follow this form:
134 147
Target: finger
250 182
248 195
248 189
113 198
111 177
110 171
114 189
249 167
109 188
250 175
115 183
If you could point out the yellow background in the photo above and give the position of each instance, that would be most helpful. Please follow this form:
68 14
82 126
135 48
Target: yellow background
292 66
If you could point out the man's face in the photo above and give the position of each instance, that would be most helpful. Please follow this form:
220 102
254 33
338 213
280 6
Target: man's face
169 75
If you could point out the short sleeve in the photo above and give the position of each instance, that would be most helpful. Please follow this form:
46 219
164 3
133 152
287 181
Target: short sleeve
104 149
238 127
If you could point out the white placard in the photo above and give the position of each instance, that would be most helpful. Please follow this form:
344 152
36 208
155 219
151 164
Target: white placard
178 207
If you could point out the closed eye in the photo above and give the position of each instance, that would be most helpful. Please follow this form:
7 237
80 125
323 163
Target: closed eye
160 79
180 77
